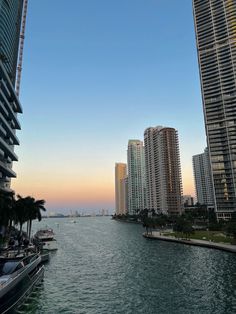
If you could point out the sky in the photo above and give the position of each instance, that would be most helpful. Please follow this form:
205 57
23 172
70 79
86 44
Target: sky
97 73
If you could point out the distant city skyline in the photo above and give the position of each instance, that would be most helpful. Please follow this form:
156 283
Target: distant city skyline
93 77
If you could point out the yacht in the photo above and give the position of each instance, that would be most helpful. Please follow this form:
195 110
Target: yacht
18 276
44 238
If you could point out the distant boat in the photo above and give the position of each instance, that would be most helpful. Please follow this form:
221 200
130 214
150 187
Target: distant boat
18 276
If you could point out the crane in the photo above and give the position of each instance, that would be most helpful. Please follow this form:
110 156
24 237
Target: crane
21 47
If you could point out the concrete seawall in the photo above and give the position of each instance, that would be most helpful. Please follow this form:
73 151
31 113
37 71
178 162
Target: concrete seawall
212 245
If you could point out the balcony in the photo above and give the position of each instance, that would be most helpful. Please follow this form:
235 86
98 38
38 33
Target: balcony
10 87
7 150
11 113
8 172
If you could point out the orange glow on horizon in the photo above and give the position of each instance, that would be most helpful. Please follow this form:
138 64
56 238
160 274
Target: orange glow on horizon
82 188
92 191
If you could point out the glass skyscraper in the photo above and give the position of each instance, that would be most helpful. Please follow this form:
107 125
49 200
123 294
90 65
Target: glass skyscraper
10 24
202 178
215 25
136 177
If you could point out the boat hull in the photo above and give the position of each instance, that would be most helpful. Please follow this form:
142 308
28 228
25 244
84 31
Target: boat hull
50 245
16 296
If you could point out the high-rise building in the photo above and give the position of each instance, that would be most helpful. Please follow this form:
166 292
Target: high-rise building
203 179
188 200
136 177
124 183
215 25
120 188
10 24
163 171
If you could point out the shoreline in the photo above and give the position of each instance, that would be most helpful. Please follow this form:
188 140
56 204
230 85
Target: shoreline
202 243
127 221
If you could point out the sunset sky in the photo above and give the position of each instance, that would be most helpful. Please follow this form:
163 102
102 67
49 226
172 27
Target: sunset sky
96 73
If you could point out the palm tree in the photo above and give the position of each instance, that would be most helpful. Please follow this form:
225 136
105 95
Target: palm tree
35 207
21 208
28 209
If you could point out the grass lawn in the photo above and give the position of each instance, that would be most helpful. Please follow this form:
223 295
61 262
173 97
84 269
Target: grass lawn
215 236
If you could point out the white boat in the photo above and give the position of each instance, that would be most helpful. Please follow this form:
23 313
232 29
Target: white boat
45 234
45 239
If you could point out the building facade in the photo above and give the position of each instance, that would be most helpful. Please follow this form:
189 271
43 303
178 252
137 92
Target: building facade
136 177
188 200
203 179
124 183
215 25
120 188
10 23
163 171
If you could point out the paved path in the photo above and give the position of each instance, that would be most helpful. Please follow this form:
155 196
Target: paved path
156 235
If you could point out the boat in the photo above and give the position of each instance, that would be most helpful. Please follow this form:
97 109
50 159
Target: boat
45 256
18 277
44 238
46 234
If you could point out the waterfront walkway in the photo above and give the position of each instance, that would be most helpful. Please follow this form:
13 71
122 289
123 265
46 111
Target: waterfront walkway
156 235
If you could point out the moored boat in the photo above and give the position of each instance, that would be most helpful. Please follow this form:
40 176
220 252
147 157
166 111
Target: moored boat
44 238
18 276
46 234
45 256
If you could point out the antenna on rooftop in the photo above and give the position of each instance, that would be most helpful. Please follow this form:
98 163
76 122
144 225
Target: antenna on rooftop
21 47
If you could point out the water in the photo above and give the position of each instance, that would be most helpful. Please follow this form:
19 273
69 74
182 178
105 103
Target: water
104 266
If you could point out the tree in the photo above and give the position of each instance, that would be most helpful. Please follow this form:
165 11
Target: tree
230 229
161 221
143 214
187 230
148 224
6 208
28 209
21 211
35 207
183 226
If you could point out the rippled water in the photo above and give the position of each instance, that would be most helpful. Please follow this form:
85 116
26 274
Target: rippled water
104 266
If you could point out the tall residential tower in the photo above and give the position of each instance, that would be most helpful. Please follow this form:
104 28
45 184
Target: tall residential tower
120 188
136 177
163 171
203 178
215 25
10 24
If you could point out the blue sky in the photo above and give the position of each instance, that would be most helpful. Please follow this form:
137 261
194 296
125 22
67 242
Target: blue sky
96 73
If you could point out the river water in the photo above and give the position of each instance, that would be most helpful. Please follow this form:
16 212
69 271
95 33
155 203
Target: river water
105 266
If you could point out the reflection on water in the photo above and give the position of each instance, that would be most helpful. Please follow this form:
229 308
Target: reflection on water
104 266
